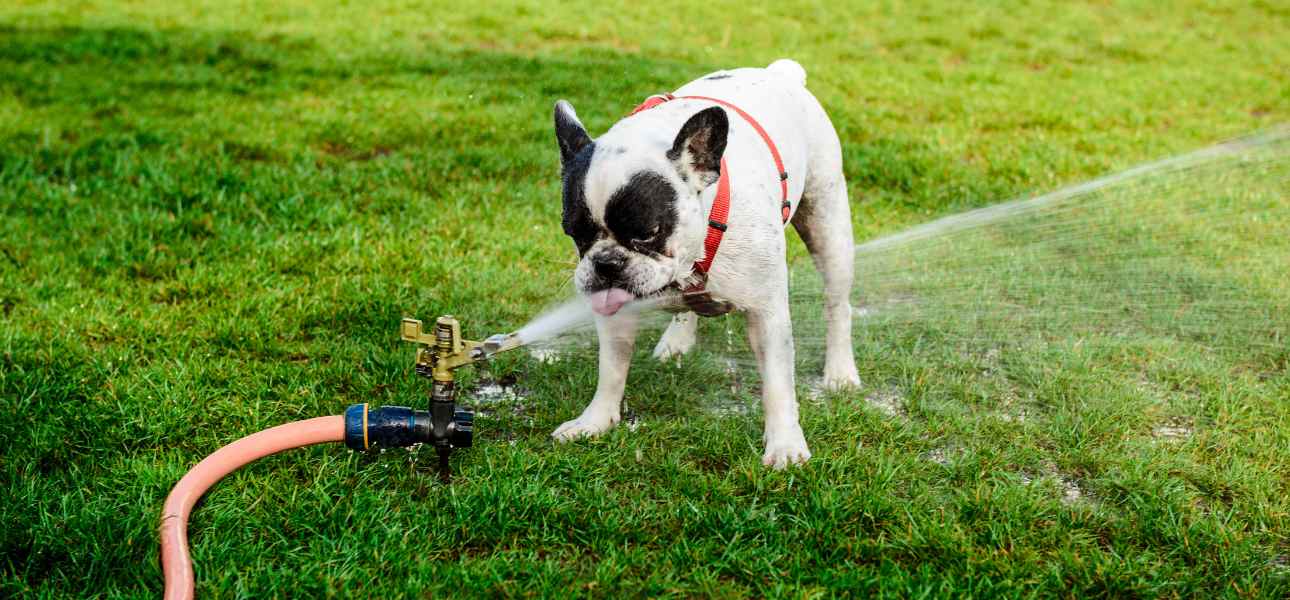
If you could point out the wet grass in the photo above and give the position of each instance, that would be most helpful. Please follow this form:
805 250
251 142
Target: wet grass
211 220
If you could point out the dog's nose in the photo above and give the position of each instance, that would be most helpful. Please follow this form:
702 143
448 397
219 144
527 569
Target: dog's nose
610 264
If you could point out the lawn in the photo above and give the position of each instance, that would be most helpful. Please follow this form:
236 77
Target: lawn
214 214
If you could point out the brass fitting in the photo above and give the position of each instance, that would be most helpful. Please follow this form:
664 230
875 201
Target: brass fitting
444 351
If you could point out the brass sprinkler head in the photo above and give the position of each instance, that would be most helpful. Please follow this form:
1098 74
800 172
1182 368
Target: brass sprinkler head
438 355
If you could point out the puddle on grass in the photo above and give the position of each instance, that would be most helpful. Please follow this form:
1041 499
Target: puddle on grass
735 406
491 396
546 353
492 392
1172 430
940 456
1014 416
631 420
888 401
732 370
1071 492
736 403
869 310
815 391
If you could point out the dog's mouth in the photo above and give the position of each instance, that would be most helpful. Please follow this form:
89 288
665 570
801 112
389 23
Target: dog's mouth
609 301
608 295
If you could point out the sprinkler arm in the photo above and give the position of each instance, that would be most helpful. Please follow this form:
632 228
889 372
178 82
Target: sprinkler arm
444 350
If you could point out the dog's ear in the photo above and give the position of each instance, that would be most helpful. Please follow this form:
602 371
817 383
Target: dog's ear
697 150
569 132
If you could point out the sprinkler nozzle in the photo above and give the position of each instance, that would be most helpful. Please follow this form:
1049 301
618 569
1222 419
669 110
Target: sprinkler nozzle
500 343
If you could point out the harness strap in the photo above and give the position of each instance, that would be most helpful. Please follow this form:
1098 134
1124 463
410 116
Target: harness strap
716 221
695 296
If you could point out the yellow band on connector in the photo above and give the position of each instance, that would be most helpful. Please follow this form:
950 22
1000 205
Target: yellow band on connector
365 426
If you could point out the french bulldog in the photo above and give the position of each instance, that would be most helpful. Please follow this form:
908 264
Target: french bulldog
637 204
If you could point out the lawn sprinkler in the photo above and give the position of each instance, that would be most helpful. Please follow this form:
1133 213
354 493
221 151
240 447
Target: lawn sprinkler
445 426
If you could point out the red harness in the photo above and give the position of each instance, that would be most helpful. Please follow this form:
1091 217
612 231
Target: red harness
695 296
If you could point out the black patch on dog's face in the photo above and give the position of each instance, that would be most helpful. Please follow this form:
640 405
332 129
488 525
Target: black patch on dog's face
577 221
642 214
718 76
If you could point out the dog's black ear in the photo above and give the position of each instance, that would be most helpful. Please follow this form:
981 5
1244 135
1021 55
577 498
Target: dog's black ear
697 150
569 132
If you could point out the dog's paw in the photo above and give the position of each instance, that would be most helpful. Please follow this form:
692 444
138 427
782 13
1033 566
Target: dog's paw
669 348
677 340
786 448
589 424
841 378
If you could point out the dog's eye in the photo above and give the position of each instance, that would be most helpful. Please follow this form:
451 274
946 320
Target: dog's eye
652 234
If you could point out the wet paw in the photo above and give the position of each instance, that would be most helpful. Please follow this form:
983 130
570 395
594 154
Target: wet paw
586 425
841 378
786 449
669 349
674 343
677 340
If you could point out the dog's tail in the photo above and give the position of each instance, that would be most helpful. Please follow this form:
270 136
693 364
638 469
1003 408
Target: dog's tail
789 70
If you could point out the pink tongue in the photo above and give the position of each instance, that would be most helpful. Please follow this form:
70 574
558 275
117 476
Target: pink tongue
607 302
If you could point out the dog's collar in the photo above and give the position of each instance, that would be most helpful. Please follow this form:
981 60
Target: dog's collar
696 297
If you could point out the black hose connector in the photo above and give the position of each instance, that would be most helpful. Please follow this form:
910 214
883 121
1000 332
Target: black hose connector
400 427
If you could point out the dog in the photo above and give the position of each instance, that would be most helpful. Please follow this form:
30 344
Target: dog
642 204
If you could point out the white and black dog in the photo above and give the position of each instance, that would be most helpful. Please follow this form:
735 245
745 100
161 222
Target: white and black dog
637 203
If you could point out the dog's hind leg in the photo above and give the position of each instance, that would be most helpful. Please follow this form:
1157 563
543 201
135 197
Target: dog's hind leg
823 220
679 337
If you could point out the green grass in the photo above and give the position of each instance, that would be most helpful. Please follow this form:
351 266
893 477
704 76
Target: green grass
212 217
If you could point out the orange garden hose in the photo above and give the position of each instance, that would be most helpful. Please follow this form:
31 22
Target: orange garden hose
175 561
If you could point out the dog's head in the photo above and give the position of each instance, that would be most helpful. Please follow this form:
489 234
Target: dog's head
631 202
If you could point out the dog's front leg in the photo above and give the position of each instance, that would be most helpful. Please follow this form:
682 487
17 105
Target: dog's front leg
617 339
770 333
